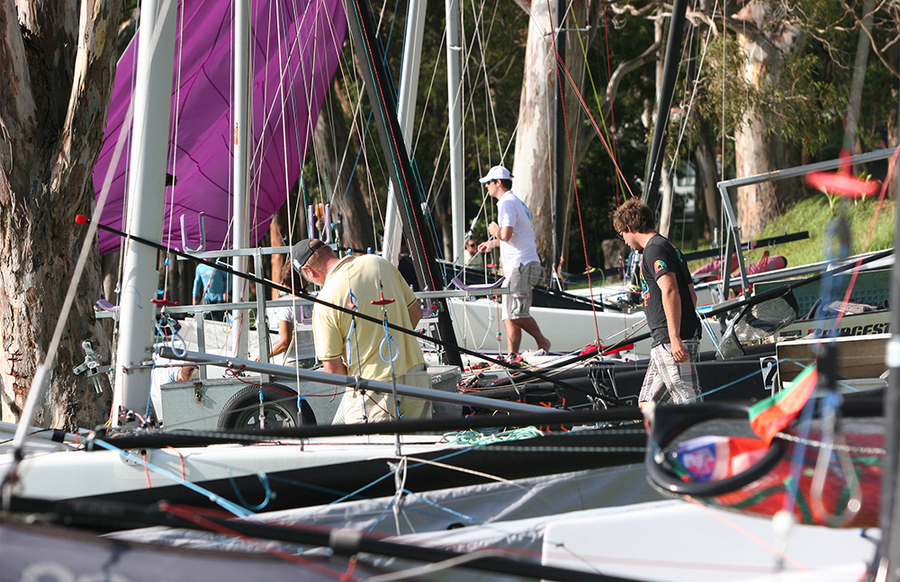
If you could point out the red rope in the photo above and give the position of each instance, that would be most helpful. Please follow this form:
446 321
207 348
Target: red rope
612 116
560 65
587 264
587 112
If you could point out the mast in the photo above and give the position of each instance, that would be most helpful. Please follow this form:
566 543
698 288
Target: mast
454 105
559 159
886 564
144 218
405 183
406 109
240 231
859 75
670 74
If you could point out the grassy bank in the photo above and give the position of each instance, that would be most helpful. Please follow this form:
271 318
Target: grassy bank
813 215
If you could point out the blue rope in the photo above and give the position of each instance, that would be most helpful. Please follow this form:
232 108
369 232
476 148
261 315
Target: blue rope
353 332
220 501
391 344
264 480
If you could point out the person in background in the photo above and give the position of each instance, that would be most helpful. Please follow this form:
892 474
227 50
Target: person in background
408 270
355 282
519 258
670 304
184 373
302 350
211 286
471 250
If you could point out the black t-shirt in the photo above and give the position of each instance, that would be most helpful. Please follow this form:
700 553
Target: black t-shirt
658 258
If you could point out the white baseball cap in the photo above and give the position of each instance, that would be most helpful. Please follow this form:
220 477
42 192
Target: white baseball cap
496 173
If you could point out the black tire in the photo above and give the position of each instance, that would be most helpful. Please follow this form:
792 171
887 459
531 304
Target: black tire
279 407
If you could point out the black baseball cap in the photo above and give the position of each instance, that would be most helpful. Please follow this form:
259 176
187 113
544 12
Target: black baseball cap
303 251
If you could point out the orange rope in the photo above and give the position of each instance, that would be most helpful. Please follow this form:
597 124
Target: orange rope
724 519
146 469
561 64
180 456
612 116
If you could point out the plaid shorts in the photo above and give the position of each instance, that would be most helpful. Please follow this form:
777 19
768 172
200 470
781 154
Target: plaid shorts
678 378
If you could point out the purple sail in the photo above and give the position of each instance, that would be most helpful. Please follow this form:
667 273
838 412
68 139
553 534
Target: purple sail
295 48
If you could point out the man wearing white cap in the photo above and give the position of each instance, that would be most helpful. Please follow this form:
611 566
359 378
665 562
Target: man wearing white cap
518 257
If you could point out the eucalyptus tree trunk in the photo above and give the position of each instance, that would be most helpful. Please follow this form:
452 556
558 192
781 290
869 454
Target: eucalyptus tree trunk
664 222
586 17
533 171
583 15
765 42
57 60
708 195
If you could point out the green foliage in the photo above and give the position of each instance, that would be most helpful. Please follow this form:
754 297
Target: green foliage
798 105
600 187
804 104
802 107
814 213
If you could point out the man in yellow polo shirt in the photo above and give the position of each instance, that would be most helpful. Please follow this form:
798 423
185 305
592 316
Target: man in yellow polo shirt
355 282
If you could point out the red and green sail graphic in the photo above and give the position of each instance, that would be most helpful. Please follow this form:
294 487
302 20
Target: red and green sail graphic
769 416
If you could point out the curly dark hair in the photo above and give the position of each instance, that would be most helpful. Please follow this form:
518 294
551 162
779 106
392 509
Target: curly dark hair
635 216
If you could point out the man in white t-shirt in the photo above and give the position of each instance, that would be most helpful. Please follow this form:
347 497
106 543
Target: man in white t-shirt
518 257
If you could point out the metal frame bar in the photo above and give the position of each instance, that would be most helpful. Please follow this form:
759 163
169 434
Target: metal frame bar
732 233
339 380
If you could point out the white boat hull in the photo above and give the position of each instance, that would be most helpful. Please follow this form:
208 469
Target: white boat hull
478 325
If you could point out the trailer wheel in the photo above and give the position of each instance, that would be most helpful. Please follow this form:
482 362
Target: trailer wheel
279 408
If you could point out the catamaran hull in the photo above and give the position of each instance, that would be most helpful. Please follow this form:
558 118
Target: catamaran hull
269 477
479 324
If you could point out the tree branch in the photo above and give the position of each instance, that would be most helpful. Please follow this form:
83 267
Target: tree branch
95 63
649 55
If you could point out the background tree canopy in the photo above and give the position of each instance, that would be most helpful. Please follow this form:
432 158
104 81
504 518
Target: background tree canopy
806 62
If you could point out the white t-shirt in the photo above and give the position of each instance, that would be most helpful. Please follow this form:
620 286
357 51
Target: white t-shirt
520 249
303 347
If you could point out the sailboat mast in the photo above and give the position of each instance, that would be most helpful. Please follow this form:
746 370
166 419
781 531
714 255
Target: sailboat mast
144 217
886 565
666 93
240 231
405 182
406 109
454 104
559 157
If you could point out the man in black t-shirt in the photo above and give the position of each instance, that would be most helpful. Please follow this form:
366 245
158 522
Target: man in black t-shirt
670 306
